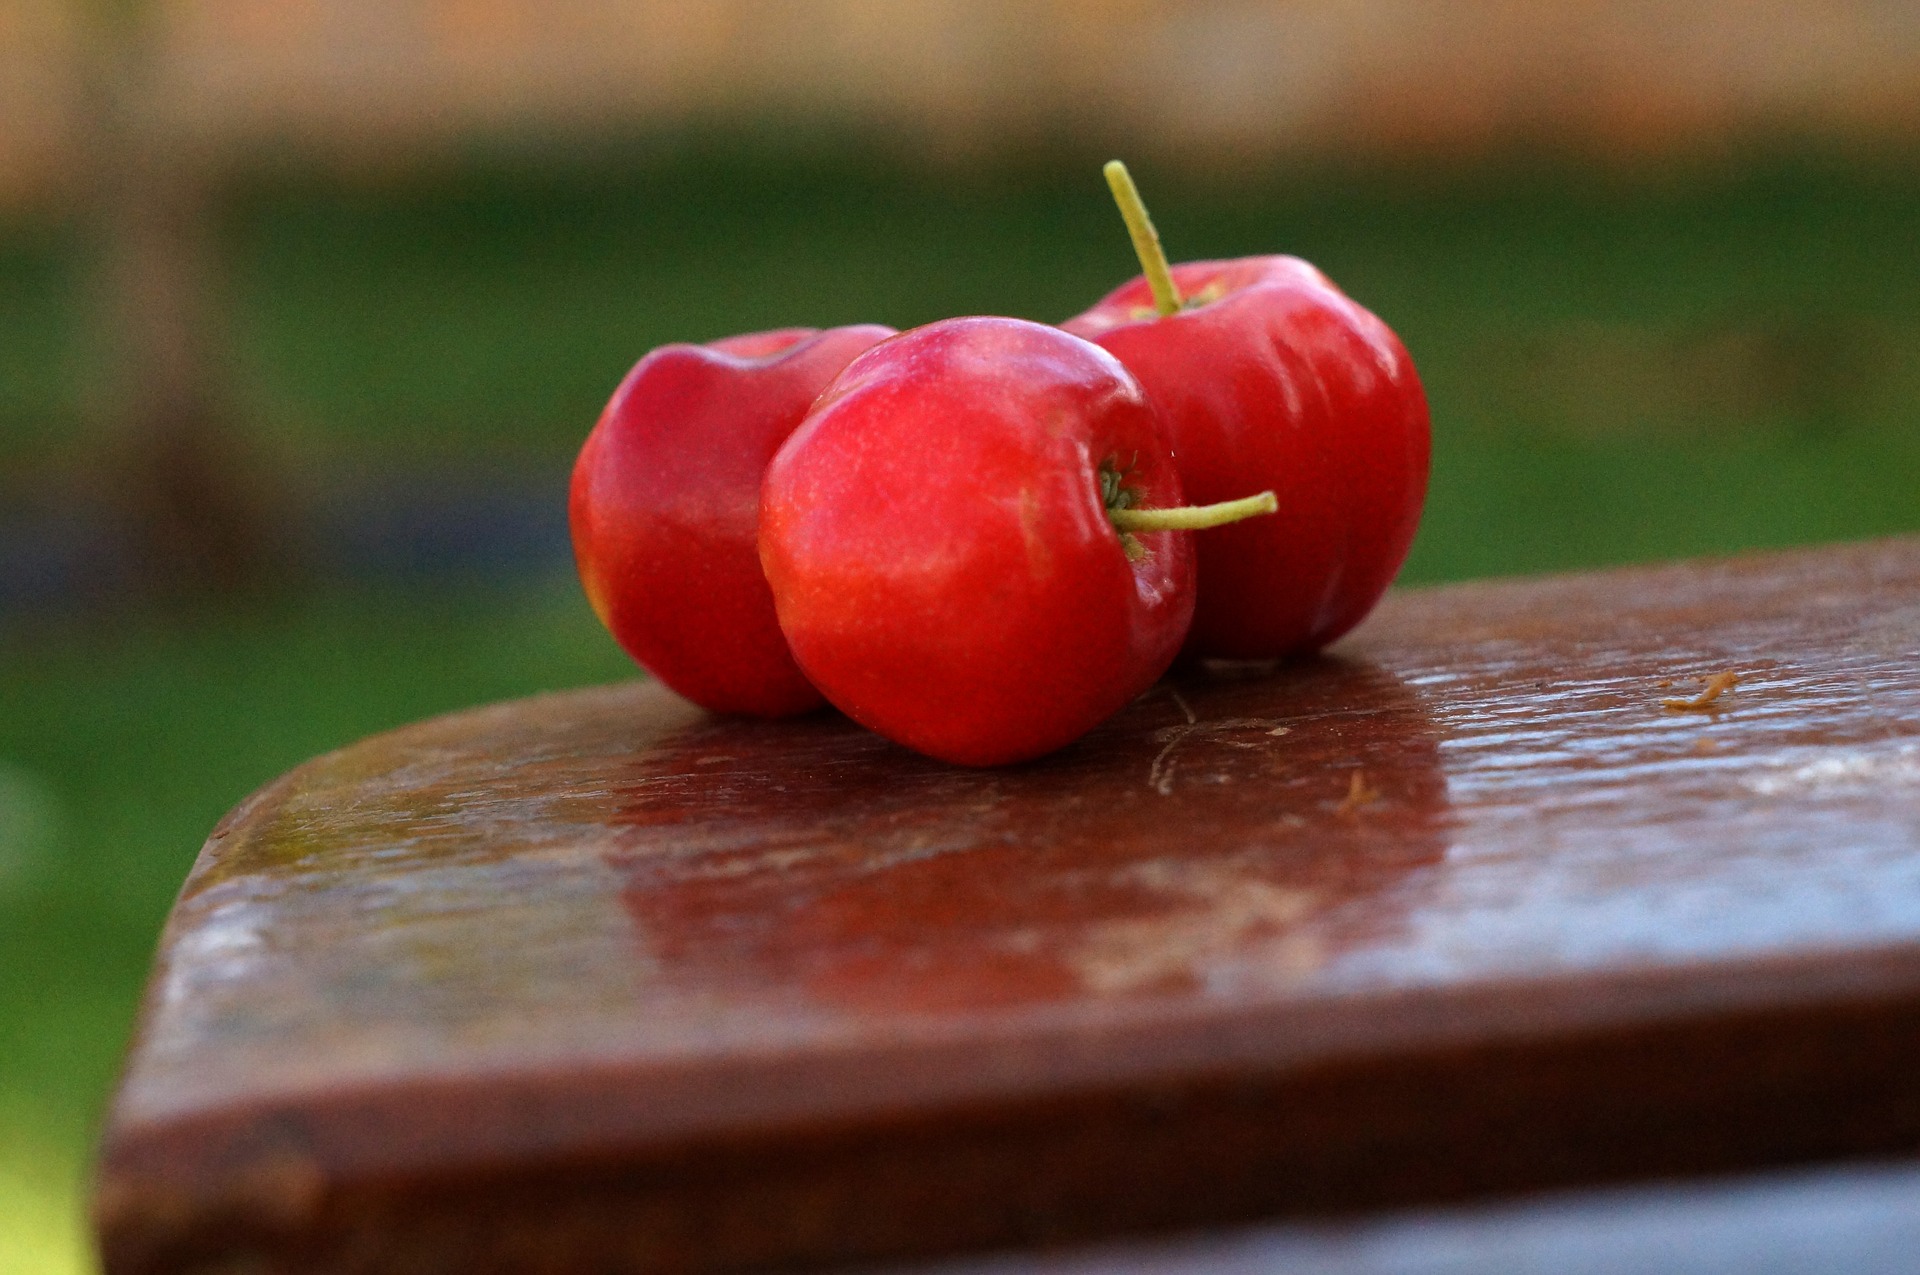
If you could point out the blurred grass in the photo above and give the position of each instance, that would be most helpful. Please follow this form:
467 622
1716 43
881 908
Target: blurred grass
1620 368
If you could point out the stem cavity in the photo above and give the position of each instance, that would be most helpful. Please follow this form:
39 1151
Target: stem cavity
1146 240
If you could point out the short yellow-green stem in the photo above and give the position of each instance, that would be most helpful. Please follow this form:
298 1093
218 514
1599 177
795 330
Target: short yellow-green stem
1194 517
1146 240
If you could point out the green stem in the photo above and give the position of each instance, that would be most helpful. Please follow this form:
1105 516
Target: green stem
1194 517
1146 240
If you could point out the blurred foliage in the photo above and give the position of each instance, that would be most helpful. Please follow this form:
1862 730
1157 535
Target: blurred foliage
44 363
122 743
1620 367
503 310
490 303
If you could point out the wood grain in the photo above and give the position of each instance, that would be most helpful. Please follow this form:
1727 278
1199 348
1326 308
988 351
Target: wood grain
596 981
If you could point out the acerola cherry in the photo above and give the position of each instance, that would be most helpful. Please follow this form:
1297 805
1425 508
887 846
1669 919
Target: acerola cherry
1267 375
665 508
957 544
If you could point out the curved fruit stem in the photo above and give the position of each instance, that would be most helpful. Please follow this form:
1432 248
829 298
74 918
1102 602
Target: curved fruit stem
1146 240
1194 517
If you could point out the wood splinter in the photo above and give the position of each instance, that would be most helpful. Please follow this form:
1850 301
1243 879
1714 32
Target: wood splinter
1359 793
1717 685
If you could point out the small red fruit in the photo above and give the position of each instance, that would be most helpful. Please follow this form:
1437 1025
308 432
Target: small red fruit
1267 375
665 508
942 538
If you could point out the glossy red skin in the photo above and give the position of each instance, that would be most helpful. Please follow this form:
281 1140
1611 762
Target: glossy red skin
1281 382
665 511
940 555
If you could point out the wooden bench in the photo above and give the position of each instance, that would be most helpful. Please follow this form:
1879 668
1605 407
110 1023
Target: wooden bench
597 982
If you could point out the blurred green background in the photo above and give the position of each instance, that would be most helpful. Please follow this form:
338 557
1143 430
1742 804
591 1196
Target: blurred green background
1624 363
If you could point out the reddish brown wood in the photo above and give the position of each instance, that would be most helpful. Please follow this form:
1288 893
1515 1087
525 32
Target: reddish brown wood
597 982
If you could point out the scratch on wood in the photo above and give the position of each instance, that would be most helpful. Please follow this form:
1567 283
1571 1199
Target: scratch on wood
1160 774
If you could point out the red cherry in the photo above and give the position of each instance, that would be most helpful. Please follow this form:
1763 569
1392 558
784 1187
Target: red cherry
938 539
1267 375
665 509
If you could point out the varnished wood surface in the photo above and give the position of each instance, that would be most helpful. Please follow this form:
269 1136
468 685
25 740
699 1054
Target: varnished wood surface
596 981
